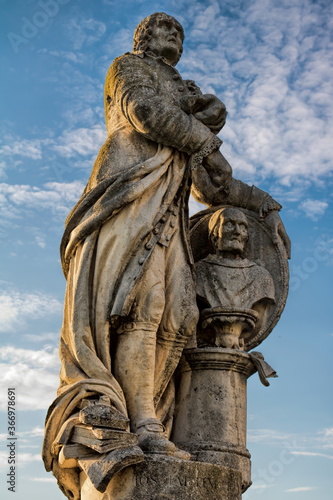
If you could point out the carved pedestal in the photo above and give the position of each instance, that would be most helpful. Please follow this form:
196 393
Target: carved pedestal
163 478
210 420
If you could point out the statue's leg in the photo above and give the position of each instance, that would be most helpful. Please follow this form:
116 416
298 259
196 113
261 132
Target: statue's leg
135 358
134 361
180 315
135 371
134 365
134 368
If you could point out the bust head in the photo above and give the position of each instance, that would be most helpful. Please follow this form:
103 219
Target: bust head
228 232
161 34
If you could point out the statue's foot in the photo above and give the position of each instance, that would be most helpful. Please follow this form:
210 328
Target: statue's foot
182 454
151 439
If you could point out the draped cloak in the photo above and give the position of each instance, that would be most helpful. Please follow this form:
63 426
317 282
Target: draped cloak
113 229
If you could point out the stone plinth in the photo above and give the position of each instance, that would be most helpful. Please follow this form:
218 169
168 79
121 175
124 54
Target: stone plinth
210 420
168 479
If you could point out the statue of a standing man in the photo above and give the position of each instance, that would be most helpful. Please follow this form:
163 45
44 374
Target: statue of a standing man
130 304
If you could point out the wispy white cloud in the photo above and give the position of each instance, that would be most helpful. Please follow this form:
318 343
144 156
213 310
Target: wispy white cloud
36 432
88 115
33 373
43 337
18 307
81 91
43 479
261 486
40 240
301 488
268 435
55 196
311 454
25 458
314 209
271 63
22 147
74 57
302 444
83 31
80 144
327 437
83 141
3 167
118 42
41 358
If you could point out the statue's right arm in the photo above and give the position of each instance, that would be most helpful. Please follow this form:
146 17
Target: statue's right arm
133 86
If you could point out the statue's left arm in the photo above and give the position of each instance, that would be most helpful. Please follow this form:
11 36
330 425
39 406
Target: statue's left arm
213 185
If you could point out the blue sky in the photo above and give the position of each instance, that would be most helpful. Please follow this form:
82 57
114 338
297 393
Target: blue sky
270 61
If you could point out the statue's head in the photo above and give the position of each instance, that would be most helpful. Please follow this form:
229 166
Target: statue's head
228 231
161 34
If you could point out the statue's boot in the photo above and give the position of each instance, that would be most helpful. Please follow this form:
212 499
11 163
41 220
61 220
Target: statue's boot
134 370
152 439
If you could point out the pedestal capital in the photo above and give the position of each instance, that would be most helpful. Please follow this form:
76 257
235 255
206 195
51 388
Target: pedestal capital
218 358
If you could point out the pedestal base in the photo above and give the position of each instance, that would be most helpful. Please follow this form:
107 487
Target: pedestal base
210 418
168 479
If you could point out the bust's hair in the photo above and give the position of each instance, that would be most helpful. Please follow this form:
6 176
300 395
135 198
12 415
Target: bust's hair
215 222
143 31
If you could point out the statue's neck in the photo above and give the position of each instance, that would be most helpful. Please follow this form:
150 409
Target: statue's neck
228 255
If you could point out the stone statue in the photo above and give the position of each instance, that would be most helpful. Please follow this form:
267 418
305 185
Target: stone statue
130 304
233 292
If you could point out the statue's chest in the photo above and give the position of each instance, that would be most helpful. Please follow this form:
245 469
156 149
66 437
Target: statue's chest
171 84
175 87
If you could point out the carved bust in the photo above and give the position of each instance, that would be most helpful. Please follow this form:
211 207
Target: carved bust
228 284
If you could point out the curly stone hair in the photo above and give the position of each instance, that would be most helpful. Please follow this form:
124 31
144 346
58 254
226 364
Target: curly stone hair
143 31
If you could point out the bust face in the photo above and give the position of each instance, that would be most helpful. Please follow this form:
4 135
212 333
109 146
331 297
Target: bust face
166 40
233 232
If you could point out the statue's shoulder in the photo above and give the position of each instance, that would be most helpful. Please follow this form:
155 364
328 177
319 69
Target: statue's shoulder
128 61
201 267
130 65
261 273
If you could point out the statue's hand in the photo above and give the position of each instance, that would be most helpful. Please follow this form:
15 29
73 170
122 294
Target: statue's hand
277 230
208 109
218 169
212 113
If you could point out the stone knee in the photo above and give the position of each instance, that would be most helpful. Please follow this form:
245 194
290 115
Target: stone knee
178 322
148 306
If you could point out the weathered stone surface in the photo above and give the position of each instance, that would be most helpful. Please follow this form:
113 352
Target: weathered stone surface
248 279
70 452
163 479
115 439
130 306
210 420
103 415
101 471
234 293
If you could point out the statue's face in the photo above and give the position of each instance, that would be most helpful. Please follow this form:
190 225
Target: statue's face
233 233
166 40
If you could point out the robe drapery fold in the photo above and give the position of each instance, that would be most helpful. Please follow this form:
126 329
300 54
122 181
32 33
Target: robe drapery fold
139 182
102 251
